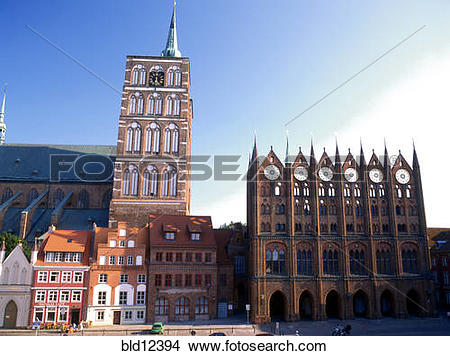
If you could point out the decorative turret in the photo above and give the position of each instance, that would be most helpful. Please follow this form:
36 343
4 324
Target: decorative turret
171 49
2 120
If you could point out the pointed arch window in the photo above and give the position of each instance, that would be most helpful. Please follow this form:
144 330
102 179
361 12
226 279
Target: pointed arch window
399 191
169 182
372 191
126 182
139 75
167 137
150 181
134 181
357 190
83 200
408 192
275 260
7 194
305 190
32 195
381 191
296 190
134 134
321 190
304 262
174 76
307 208
155 104
331 190
347 191
58 196
136 104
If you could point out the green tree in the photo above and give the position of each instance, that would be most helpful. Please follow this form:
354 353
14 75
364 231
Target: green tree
11 242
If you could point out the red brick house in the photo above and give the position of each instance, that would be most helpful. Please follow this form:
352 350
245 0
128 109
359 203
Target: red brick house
61 277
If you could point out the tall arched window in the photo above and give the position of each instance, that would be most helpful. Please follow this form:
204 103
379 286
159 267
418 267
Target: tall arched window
409 260
134 181
83 200
174 76
7 194
58 196
167 137
132 108
134 133
296 190
129 145
126 182
305 190
136 104
32 195
275 260
357 262
139 75
182 306
304 262
384 261
150 181
173 104
175 136
155 104
330 262
169 182
152 138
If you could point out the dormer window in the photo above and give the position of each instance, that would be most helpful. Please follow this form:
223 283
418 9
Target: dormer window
49 257
195 236
169 236
122 232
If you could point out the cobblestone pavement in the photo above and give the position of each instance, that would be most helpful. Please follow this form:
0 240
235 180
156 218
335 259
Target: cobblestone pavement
237 326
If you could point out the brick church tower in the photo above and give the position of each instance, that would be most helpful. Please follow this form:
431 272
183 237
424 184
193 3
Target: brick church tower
151 173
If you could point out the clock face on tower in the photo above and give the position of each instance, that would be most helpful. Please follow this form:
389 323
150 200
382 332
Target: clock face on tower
376 175
271 172
301 173
156 79
326 174
402 176
351 175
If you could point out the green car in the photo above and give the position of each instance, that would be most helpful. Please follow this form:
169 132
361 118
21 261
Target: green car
158 328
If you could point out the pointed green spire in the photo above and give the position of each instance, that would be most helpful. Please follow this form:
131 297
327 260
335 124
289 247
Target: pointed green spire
171 49
2 120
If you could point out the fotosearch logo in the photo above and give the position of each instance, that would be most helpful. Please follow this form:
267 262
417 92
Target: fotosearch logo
86 168
100 168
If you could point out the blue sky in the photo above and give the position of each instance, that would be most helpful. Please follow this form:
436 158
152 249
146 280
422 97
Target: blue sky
255 65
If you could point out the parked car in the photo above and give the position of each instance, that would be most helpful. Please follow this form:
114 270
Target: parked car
218 334
264 334
157 328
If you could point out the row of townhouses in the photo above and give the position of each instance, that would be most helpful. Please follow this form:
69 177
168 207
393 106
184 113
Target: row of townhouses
174 268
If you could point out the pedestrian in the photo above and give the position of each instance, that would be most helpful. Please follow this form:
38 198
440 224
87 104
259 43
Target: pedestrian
193 332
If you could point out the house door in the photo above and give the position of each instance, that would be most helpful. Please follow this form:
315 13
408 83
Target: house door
116 319
75 316
10 315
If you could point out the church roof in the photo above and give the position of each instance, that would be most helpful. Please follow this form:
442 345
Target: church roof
31 163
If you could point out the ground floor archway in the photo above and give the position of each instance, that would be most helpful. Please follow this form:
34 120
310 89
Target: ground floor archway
306 306
360 304
277 306
387 304
413 307
332 305
10 316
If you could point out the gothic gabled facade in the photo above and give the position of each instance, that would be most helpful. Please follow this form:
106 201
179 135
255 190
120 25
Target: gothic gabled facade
332 238
151 172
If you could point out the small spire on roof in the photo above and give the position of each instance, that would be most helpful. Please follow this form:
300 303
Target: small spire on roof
171 49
